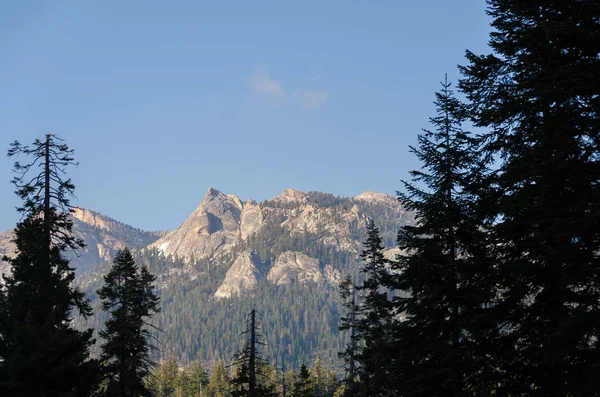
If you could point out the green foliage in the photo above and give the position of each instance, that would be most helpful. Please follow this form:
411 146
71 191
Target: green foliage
164 380
168 380
128 295
40 351
218 386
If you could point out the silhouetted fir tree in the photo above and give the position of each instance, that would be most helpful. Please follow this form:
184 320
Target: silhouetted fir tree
443 272
349 321
250 364
128 295
41 353
375 316
539 96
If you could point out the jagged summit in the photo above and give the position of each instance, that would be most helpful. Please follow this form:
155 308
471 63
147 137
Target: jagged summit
222 220
102 235
210 229
291 195
371 196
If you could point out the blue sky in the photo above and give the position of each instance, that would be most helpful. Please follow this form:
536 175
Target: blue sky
162 99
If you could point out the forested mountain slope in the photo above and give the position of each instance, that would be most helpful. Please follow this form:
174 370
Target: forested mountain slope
283 256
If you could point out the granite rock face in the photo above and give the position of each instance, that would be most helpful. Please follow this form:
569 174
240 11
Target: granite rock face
222 223
375 197
223 229
242 276
7 247
210 230
293 267
252 219
102 235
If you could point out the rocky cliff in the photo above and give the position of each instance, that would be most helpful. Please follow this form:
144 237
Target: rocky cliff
213 227
223 224
102 235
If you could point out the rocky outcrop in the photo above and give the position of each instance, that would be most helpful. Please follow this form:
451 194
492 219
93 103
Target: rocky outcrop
222 220
330 224
291 196
102 235
211 229
333 276
7 247
242 276
380 198
252 219
293 267
92 218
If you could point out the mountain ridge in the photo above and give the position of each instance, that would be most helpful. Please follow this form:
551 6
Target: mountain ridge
284 256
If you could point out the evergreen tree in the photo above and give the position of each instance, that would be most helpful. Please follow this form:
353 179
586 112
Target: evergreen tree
349 321
128 294
538 95
252 375
370 321
324 381
41 354
303 386
218 385
198 379
375 316
443 273
163 381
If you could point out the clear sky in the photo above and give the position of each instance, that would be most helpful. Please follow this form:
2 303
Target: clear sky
162 99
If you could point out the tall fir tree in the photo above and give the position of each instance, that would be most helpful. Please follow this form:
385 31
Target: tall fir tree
375 321
349 322
443 273
251 377
41 353
128 295
538 94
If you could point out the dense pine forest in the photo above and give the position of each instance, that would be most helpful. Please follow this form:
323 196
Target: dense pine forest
493 288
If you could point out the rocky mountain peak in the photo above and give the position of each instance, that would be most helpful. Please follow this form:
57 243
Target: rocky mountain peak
375 197
289 195
211 228
91 218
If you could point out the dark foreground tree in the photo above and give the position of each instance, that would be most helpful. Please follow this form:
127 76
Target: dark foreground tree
349 322
41 353
538 95
251 378
443 272
375 320
128 294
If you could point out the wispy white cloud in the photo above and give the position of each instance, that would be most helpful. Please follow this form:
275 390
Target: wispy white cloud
311 99
262 83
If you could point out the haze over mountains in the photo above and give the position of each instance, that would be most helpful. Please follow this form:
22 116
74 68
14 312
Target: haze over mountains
230 255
